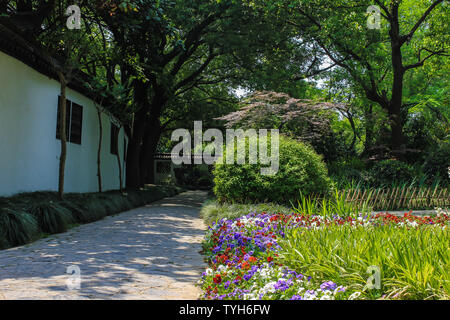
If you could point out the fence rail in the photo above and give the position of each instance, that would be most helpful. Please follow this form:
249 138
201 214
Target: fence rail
399 198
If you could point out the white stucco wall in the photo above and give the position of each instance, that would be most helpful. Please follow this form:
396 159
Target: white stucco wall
29 150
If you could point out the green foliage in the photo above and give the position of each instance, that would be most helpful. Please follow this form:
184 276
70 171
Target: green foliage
349 173
389 172
213 211
300 170
194 176
17 227
413 261
51 217
335 205
437 163
78 210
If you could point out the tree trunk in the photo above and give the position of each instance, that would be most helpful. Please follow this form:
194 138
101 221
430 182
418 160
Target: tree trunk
63 134
395 104
149 149
152 135
355 134
99 151
119 164
133 173
369 130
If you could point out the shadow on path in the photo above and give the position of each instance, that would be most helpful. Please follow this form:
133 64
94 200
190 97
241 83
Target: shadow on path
146 253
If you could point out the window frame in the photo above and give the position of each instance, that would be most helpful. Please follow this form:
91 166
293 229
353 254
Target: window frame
75 137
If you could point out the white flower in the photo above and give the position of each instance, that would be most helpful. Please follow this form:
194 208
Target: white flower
413 224
209 272
354 296
337 290
309 296
222 268
249 296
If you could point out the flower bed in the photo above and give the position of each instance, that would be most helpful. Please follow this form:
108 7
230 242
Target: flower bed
245 262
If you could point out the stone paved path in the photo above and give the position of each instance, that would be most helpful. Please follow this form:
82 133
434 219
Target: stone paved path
146 253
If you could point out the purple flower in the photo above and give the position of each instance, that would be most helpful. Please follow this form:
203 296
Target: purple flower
296 297
329 285
283 285
248 277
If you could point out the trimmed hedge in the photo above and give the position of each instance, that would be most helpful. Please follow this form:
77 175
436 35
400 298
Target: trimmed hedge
301 170
27 217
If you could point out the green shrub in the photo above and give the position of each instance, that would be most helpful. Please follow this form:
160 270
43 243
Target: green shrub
348 173
52 217
79 212
389 172
437 163
301 169
96 207
119 202
17 227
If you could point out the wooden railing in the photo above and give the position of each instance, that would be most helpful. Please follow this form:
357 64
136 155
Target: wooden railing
399 198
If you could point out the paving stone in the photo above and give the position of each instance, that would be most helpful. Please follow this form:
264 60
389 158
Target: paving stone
148 253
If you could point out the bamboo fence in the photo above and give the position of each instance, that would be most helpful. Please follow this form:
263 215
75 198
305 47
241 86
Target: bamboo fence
413 198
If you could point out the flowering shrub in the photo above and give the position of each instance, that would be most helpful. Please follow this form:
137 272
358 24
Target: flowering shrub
245 256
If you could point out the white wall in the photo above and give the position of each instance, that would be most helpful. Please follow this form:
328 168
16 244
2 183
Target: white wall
29 150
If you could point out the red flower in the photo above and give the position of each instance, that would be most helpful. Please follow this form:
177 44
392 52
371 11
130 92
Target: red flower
245 265
217 279
222 258
269 259
252 259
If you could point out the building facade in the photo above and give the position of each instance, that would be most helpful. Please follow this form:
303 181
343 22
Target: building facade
29 139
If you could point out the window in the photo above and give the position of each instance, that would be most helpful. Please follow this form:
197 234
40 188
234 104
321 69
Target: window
74 121
114 139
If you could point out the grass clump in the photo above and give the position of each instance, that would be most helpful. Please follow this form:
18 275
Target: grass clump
17 227
52 217
336 205
413 261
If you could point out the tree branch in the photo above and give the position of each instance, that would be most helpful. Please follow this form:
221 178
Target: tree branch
420 21
421 62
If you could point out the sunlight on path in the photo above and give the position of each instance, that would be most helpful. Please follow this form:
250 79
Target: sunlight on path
146 253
